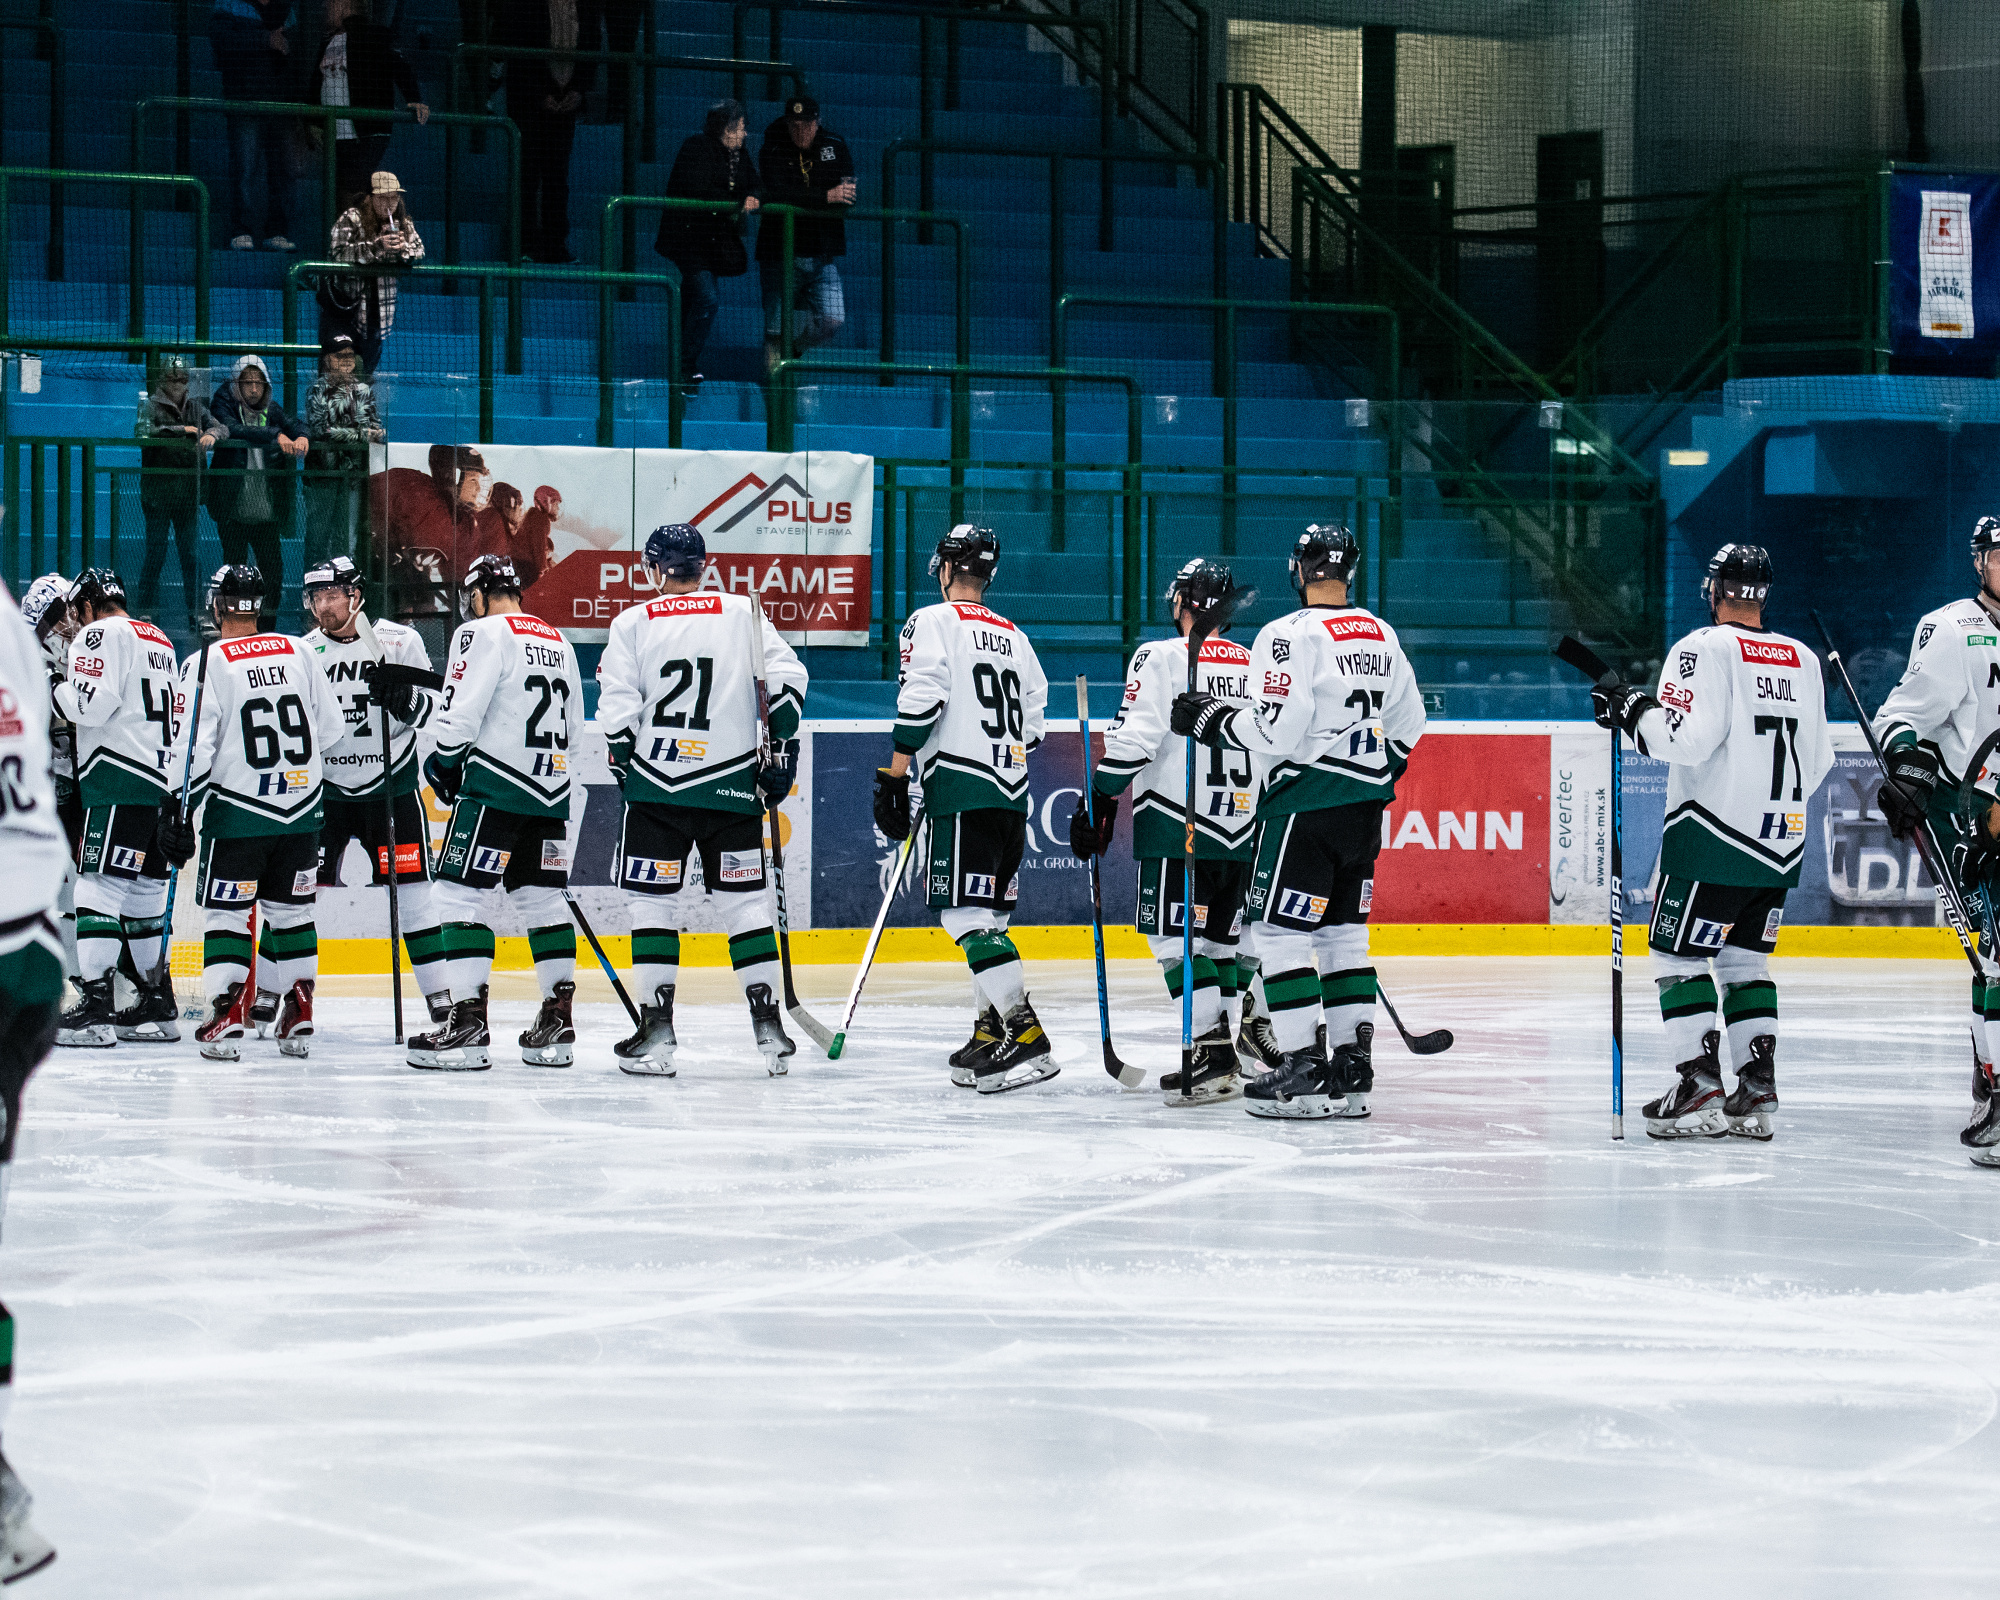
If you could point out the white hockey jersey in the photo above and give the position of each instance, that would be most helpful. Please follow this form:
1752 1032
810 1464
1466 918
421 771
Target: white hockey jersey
512 711
678 680
31 835
1949 694
268 717
119 696
1141 750
1742 724
969 707
1337 710
354 765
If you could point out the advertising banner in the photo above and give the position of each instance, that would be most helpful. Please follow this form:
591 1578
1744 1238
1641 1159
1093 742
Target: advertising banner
1944 249
794 530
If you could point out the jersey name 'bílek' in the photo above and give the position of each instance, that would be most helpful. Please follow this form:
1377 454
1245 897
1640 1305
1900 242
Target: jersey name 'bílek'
1140 749
512 709
679 678
119 696
268 717
354 766
1949 694
969 707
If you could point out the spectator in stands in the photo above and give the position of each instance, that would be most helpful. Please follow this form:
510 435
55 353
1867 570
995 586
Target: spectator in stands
250 481
185 430
342 421
808 166
544 97
706 245
359 65
248 38
620 19
375 229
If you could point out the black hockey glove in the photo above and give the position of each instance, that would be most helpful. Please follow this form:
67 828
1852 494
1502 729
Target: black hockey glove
774 782
1202 716
1906 797
175 835
398 699
892 804
1978 863
1084 839
1621 705
618 749
444 778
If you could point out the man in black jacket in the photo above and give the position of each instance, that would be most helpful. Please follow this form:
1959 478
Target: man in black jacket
706 245
359 65
544 97
808 166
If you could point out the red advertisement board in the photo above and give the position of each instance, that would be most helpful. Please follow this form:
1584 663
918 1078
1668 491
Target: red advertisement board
1467 839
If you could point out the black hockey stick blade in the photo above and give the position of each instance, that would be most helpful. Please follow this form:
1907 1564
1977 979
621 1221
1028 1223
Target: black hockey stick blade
1128 1076
1575 653
389 673
1433 1043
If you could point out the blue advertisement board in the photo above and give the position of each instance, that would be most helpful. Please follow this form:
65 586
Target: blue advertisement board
1944 266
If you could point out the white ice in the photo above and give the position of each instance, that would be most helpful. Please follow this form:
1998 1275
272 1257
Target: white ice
343 1330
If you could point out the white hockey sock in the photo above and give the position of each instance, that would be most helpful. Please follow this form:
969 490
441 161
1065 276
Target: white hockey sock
465 941
142 927
753 941
100 931
656 949
1207 1003
422 937
225 948
1291 985
287 947
1347 981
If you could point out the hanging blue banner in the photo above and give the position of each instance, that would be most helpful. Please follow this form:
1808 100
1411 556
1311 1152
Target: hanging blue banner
1944 264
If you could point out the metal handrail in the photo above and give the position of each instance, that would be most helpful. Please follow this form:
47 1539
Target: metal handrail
58 123
1133 90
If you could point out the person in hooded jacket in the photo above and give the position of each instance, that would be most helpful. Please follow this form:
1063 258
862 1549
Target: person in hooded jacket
713 165
251 475
182 430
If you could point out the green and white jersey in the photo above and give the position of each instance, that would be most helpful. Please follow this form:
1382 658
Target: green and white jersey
969 706
511 711
268 717
31 834
1337 710
118 693
1141 750
354 765
678 681
1742 725
1949 694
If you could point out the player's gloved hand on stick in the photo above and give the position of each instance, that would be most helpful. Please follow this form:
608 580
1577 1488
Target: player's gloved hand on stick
774 782
1906 797
892 804
1621 705
1086 839
618 753
444 778
1202 716
1978 863
398 699
176 835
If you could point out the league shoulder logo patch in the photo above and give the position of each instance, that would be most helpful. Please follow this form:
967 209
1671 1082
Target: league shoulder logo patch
1688 662
1924 634
1281 649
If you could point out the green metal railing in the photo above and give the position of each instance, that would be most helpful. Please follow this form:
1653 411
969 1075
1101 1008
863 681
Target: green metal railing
52 43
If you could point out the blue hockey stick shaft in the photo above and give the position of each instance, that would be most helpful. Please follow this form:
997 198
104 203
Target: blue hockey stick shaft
1617 937
162 973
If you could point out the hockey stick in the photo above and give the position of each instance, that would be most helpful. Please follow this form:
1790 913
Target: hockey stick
603 960
816 1030
163 974
1576 654
1433 1043
1928 849
388 674
904 851
1128 1077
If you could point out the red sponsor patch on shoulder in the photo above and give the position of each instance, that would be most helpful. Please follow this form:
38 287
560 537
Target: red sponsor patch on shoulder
969 612
151 634
520 622
1355 627
1768 652
685 605
1225 650
256 647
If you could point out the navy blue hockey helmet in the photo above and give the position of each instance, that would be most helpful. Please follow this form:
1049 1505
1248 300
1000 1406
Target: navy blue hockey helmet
1737 572
1325 550
677 549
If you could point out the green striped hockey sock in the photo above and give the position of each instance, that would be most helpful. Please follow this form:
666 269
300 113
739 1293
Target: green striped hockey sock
996 967
754 955
1687 1006
1348 998
1985 1011
422 937
1207 990
468 957
554 952
288 955
1748 1009
100 937
143 938
1293 996
656 961
225 950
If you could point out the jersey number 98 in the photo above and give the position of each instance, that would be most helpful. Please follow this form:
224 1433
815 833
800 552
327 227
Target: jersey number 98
1000 693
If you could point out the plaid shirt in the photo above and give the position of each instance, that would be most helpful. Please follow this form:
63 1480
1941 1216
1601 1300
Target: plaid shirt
341 413
351 243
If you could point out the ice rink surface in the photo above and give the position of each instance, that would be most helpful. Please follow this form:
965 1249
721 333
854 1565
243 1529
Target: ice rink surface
337 1330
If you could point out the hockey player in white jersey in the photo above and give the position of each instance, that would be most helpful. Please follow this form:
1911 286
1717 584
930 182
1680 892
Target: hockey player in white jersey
36 852
1141 751
506 728
679 708
1337 712
969 709
1740 719
354 806
117 693
267 719
1932 727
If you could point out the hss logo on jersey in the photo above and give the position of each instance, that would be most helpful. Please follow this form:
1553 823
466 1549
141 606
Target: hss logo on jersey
1230 803
1783 825
295 781
1009 757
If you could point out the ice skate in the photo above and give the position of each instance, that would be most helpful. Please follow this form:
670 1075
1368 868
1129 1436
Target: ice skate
22 1549
649 1053
1693 1108
460 1045
1256 1045
294 1029
550 1040
225 1025
1755 1098
153 1018
1981 1137
90 1024
987 1031
1217 1073
1301 1085
264 1012
438 1005
1353 1073
1019 1059
772 1039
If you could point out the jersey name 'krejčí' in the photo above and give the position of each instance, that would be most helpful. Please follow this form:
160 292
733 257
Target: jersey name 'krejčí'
1337 710
354 766
679 680
268 717
969 707
119 696
1949 695
1742 725
1141 750
511 710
